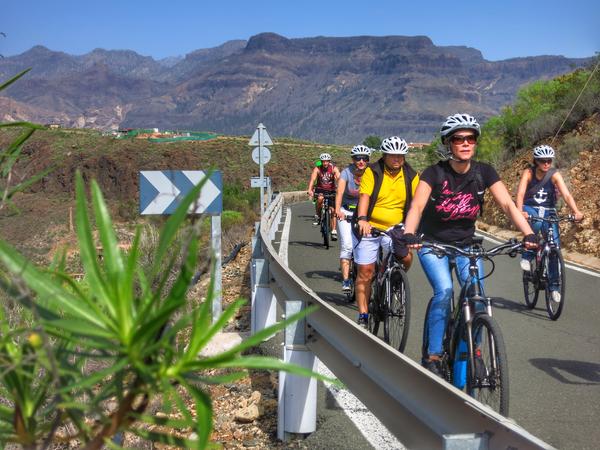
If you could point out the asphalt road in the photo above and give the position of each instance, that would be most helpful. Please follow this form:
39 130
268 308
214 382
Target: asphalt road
554 367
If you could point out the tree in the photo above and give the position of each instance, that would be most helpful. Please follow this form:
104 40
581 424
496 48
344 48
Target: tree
372 141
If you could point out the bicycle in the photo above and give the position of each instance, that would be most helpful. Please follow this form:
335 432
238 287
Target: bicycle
390 299
325 219
537 278
474 354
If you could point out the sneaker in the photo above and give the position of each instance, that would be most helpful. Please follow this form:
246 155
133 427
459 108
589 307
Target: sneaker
316 220
525 265
346 285
555 296
334 235
363 321
434 366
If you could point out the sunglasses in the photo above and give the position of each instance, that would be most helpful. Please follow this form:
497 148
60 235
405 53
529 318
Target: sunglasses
360 158
471 139
544 161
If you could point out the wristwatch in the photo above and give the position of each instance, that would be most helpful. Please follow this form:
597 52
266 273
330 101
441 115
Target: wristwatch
362 218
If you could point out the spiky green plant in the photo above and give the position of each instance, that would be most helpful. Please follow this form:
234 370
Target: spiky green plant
102 350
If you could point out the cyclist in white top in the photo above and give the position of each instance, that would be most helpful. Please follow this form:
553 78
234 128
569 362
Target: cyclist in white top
346 200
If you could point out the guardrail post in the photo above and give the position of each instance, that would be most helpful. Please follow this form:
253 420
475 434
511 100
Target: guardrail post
297 406
264 303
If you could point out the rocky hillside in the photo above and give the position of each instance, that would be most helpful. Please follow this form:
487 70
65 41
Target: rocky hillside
578 159
326 89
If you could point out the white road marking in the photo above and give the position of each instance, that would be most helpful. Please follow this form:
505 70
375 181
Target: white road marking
285 236
369 425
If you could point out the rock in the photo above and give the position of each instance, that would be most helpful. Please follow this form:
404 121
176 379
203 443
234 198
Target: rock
255 397
248 414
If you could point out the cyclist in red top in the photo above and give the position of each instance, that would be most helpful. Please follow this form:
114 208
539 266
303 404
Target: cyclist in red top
326 177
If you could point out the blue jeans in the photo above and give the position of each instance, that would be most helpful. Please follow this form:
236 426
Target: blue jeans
542 227
438 273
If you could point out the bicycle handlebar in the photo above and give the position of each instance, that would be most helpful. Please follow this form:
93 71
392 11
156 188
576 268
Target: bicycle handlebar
556 219
511 248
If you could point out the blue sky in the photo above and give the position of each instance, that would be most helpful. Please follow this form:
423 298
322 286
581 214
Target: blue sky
500 29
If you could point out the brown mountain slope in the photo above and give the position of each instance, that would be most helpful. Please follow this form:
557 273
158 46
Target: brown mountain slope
578 159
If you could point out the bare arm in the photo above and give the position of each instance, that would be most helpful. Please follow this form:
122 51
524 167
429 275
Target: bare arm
521 190
419 201
313 177
559 182
361 210
502 198
341 187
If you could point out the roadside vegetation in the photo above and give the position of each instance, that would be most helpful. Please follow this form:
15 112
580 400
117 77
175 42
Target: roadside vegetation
540 110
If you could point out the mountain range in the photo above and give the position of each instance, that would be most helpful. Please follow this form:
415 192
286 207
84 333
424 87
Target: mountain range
328 89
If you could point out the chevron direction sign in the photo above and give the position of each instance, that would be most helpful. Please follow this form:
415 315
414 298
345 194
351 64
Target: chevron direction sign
161 191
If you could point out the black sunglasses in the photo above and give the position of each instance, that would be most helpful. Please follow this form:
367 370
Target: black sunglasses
360 158
471 139
544 161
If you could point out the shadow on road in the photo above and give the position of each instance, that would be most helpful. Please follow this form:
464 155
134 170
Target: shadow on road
337 299
308 244
514 306
587 373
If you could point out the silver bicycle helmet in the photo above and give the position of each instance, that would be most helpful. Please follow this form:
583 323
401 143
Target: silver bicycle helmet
360 150
394 145
325 157
543 151
458 122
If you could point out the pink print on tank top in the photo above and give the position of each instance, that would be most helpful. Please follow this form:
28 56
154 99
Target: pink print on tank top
459 205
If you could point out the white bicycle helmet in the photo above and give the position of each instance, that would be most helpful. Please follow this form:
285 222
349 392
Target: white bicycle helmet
459 122
394 145
360 150
543 151
325 157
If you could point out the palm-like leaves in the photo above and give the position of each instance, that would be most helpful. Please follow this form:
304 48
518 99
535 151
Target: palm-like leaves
118 339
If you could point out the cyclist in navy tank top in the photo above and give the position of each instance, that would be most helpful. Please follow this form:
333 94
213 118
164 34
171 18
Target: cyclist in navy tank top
540 201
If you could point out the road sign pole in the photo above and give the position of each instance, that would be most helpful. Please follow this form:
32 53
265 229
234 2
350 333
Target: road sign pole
216 249
261 174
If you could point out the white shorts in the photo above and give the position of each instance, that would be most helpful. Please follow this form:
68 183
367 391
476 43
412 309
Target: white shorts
344 228
366 250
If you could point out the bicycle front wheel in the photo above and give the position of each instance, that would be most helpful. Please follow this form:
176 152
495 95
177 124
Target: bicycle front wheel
325 227
554 302
396 319
488 380
374 310
531 285
351 295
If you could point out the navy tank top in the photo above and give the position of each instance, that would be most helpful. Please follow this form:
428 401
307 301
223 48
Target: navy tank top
545 196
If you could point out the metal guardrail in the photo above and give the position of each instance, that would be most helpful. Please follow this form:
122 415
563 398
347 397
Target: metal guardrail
421 410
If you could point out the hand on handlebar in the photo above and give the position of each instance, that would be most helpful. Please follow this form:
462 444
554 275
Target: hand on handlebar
578 217
364 227
530 241
411 241
310 193
340 215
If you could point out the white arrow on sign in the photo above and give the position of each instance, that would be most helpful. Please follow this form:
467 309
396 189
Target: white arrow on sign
261 153
262 135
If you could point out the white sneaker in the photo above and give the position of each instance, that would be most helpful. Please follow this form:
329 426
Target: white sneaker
316 220
555 296
525 265
334 235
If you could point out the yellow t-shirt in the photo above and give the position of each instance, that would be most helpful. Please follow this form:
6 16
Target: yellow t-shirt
388 210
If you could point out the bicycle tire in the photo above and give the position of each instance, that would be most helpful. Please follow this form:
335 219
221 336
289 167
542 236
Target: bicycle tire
489 383
374 313
351 295
396 318
555 308
531 289
325 227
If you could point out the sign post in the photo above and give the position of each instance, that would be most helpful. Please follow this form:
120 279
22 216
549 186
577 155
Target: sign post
161 191
261 155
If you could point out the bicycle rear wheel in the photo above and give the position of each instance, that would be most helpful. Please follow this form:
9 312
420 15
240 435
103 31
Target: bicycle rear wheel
396 319
531 285
555 308
325 226
489 382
